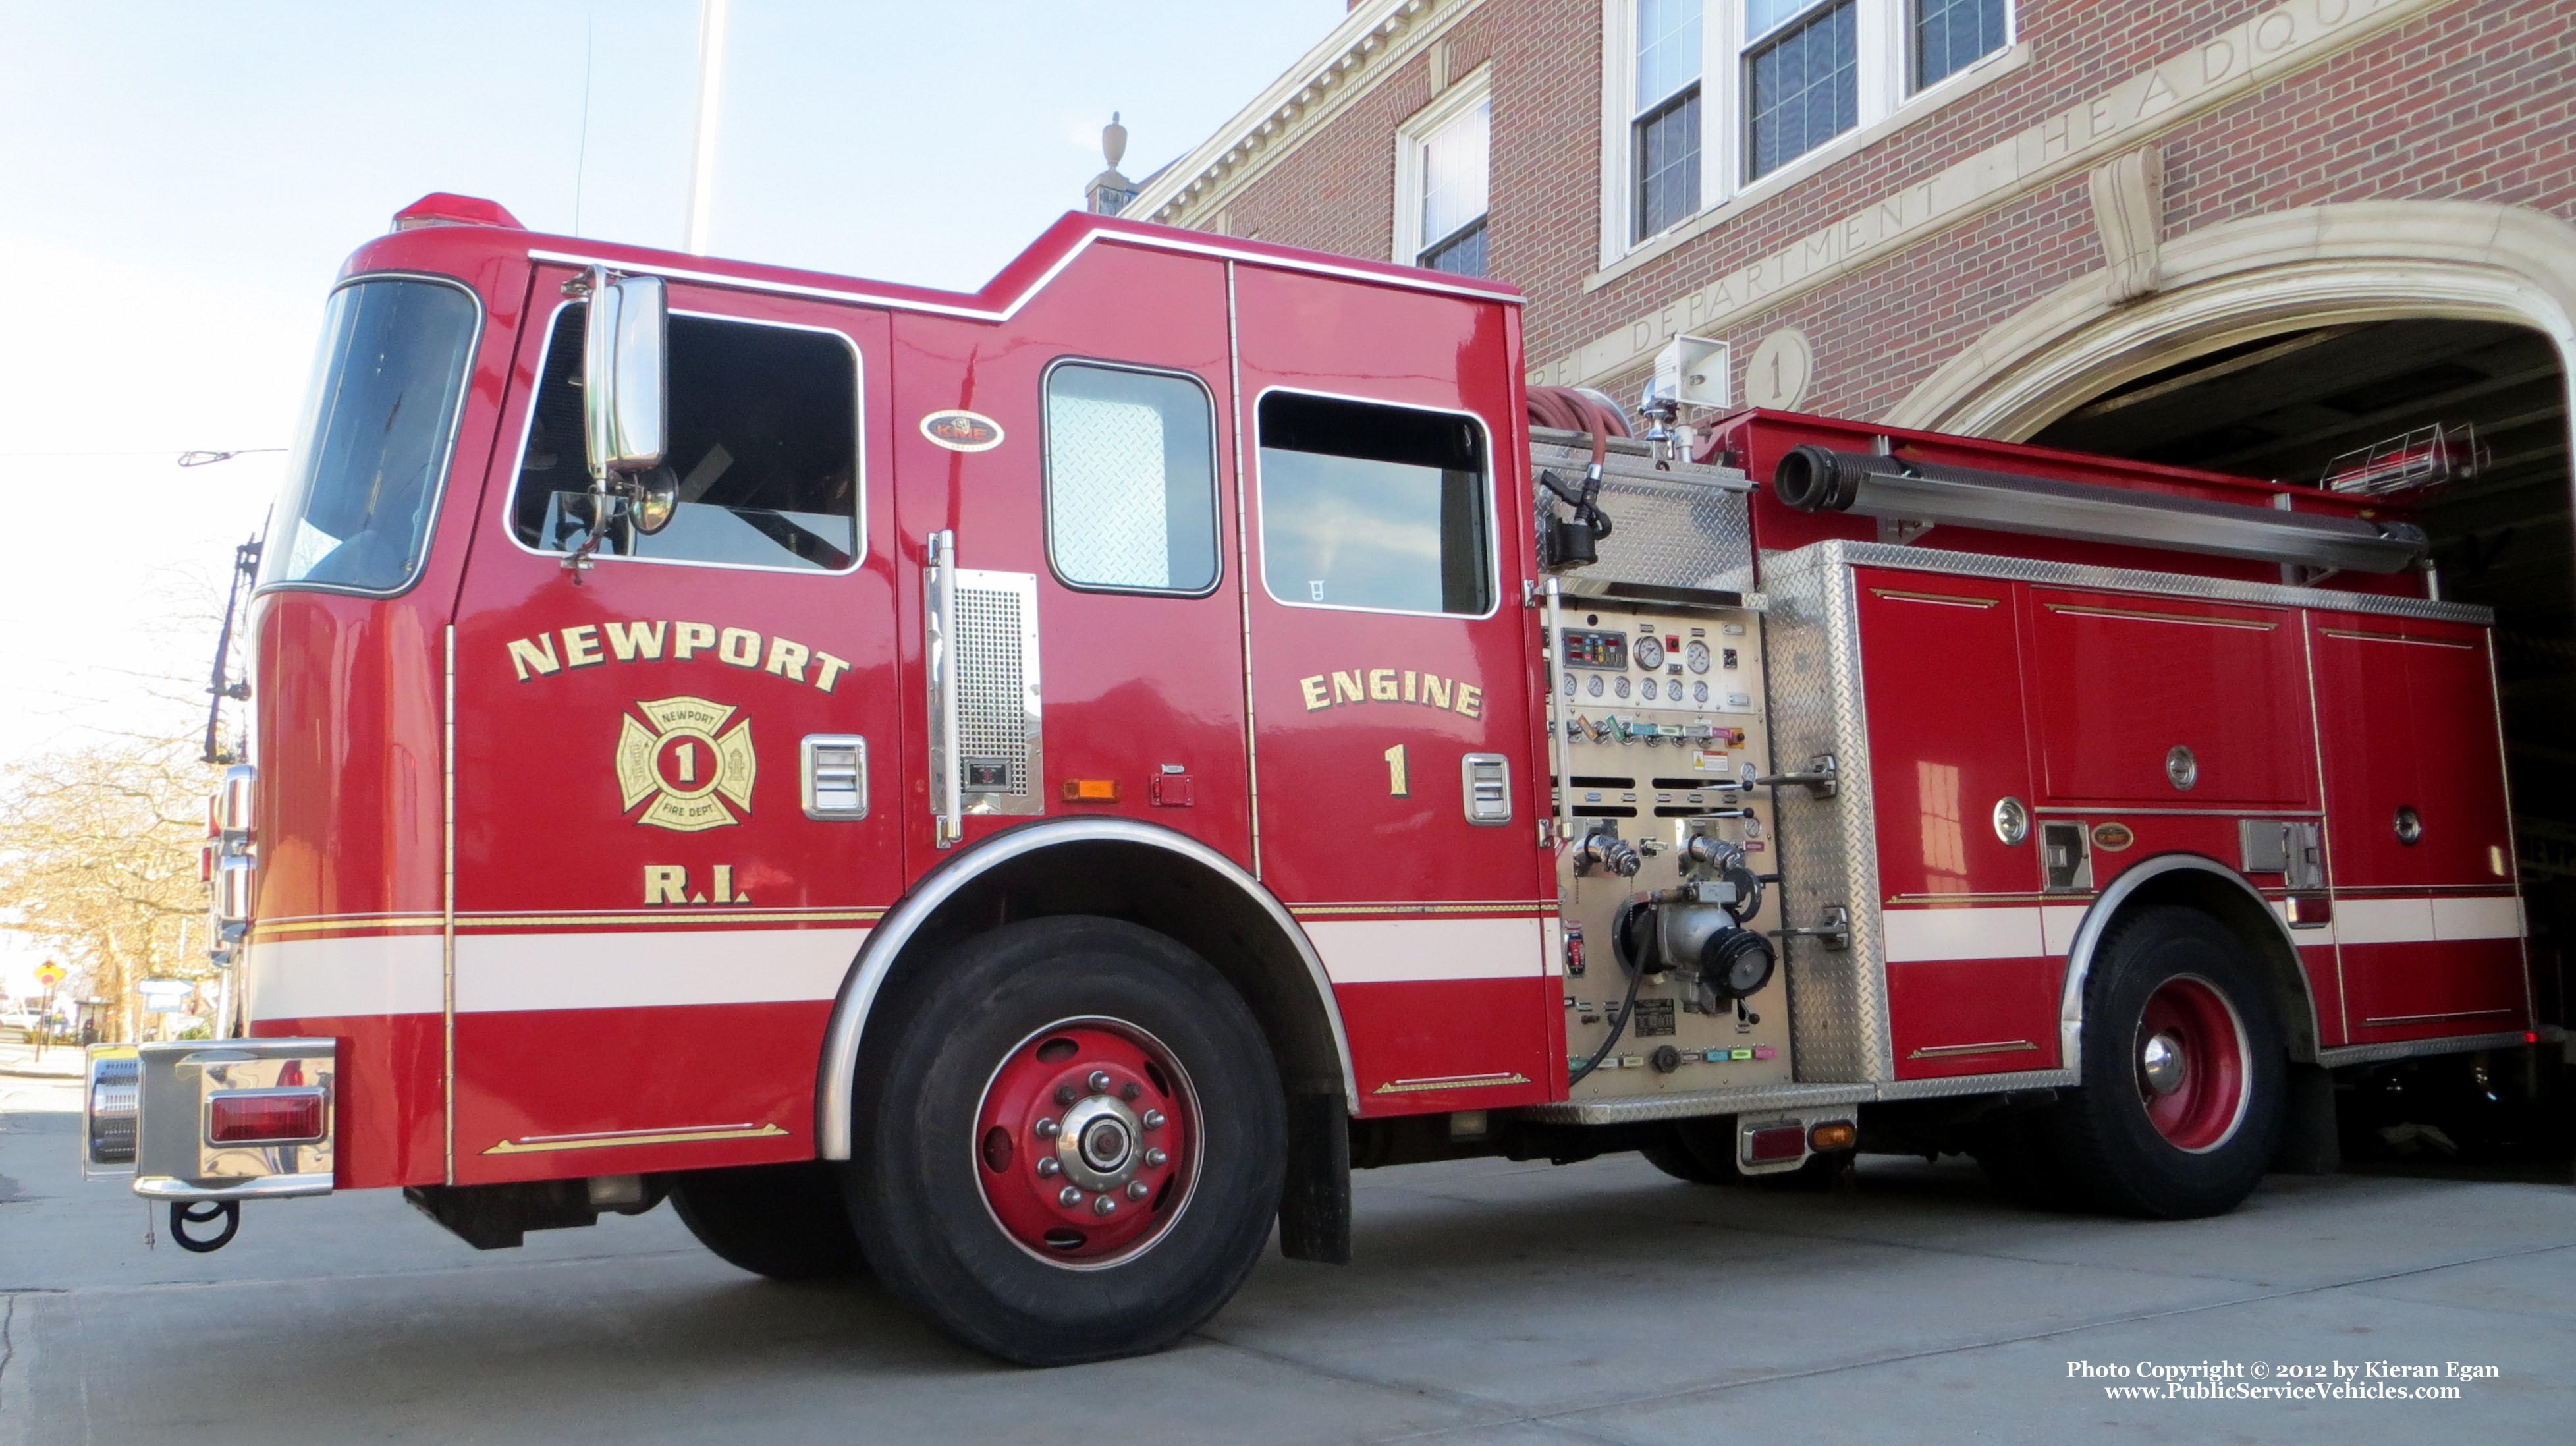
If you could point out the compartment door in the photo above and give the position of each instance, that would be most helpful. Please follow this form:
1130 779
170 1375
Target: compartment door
1973 967
2421 844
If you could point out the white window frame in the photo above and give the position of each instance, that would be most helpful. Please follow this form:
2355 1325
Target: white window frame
1464 94
1887 96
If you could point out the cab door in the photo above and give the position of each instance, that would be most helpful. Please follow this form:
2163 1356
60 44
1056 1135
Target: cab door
673 753
1075 461
1392 679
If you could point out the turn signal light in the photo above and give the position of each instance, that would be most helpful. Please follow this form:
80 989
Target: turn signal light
264 1117
1091 790
1838 1135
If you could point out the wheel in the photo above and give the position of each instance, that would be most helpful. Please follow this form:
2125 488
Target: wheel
1696 1152
1074 1139
2183 1079
787 1222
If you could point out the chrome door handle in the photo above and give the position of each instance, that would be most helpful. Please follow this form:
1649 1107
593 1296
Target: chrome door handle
948 801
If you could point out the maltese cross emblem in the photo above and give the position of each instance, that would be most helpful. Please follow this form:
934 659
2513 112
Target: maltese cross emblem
696 772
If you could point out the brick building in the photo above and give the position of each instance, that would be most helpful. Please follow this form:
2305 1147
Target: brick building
2243 234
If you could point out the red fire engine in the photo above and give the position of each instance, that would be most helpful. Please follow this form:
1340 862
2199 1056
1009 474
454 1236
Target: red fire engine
1020 791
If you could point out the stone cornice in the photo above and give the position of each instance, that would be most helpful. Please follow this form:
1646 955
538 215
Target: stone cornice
1375 37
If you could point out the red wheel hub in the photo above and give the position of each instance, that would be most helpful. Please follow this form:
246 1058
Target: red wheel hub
1086 1142
2191 1064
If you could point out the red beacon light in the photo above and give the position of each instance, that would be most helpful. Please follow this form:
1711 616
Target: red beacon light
446 208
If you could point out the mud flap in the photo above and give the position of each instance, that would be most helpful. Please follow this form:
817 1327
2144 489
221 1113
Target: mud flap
2309 1143
1315 1200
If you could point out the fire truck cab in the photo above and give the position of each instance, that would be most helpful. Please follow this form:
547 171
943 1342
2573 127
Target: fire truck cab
1020 791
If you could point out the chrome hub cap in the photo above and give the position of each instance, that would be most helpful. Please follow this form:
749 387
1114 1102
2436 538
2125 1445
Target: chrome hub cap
2162 1063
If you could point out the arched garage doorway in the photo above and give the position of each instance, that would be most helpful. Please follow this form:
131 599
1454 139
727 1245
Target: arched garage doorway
2275 345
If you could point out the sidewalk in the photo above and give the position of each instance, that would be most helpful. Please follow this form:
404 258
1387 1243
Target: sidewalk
61 1061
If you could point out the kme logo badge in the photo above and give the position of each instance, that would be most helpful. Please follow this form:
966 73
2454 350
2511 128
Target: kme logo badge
696 772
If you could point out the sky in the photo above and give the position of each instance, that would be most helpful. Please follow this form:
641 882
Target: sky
179 183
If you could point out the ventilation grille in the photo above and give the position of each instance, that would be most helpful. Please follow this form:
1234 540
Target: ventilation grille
1000 761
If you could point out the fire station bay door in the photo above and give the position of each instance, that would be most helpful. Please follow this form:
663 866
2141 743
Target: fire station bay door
676 766
1392 683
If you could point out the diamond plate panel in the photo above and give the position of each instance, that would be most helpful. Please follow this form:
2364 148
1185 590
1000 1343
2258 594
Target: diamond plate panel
1749 1098
1837 997
1689 526
2131 579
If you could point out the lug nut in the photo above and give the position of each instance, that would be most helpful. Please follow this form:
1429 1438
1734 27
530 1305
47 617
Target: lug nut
1129 1091
1068 1197
1099 1081
1103 1204
1046 1129
1066 1094
1153 1119
1049 1166
1138 1189
1154 1159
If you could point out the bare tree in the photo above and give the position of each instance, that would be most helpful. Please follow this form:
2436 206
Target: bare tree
98 857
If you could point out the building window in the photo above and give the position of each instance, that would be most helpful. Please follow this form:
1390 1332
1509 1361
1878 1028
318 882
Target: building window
1130 479
1664 135
1454 170
1442 171
1802 81
1705 97
1950 35
1374 507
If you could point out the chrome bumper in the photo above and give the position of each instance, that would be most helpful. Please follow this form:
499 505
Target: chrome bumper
154 1111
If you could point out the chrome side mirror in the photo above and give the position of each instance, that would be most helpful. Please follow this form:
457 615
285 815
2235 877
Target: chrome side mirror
623 376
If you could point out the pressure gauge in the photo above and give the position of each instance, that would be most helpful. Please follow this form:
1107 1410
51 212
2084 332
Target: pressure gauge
1592 685
1699 692
1648 687
1650 653
1619 685
1697 657
1571 683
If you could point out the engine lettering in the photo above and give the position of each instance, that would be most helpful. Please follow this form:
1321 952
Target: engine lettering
1391 685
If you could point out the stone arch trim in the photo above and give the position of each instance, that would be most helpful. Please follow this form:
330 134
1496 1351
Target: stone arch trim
2317 266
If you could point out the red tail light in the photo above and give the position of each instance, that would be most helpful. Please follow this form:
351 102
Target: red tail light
264 1117
1778 1142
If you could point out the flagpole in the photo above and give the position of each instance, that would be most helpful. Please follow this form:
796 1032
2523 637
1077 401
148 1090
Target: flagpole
702 168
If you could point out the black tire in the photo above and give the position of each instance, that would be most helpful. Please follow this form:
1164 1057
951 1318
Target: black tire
787 1222
1695 1152
2113 1154
918 1194
2022 1164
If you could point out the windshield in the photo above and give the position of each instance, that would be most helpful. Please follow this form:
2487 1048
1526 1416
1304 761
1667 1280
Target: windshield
364 481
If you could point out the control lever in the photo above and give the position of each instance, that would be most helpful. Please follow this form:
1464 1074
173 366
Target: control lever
1822 777
1834 932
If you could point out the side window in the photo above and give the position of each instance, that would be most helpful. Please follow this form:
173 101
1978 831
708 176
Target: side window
1372 506
1130 479
763 442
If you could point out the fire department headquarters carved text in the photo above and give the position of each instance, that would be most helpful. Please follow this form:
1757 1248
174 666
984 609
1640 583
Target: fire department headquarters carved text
591 645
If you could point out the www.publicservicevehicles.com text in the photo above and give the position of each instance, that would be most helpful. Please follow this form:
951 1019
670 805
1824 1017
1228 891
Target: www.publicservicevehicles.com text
2280 1380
